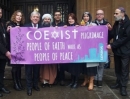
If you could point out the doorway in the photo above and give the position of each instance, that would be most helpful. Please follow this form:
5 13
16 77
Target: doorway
45 6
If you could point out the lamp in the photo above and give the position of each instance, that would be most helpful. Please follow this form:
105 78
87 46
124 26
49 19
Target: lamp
36 9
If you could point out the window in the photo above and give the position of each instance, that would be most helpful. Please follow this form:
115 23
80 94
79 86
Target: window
5 4
44 6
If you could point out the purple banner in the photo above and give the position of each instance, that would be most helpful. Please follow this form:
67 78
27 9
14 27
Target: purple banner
59 44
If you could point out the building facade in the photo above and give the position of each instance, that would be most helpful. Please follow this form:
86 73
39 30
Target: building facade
65 6
108 6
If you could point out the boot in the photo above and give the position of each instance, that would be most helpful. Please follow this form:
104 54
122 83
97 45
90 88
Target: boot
116 85
86 81
1 95
75 85
123 91
72 81
90 87
16 86
19 80
62 83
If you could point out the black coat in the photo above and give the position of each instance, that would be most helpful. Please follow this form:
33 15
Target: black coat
30 25
121 46
3 44
74 68
12 24
59 24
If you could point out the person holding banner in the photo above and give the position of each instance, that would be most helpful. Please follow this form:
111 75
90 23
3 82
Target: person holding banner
90 69
48 72
121 49
61 67
74 68
17 20
4 54
101 21
32 70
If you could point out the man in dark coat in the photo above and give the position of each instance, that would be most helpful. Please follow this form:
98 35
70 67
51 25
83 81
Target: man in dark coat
121 49
57 19
101 21
61 67
4 54
32 70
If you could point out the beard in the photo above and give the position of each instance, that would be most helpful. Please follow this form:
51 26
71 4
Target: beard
118 18
46 24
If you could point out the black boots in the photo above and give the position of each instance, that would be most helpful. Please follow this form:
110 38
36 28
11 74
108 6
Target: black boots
74 82
16 86
17 80
116 86
75 85
29 92
123 91
4 90
1 95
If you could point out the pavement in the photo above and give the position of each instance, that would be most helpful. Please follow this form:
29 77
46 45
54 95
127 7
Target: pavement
63 92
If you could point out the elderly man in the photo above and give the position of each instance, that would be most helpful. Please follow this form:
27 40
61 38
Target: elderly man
4 54
121 49
101 21
32 71
46 20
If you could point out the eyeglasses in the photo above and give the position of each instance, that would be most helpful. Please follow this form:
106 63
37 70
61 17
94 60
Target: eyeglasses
99 14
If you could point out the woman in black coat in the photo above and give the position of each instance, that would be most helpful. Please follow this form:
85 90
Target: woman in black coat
73 68
17 19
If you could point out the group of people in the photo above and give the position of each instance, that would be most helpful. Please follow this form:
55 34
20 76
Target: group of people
50 74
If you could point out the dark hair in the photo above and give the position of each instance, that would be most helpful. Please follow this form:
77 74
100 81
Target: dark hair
73 17
90 17
57 11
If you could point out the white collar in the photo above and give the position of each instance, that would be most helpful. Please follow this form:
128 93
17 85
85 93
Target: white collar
33 25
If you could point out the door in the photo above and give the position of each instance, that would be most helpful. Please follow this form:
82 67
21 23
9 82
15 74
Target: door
45 6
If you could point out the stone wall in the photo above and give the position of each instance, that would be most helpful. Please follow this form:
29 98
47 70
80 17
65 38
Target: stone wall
108 6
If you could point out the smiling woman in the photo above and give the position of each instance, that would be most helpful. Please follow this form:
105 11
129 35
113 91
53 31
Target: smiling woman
17 19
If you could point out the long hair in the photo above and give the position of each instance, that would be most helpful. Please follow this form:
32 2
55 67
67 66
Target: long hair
90 17
73 17
14 16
